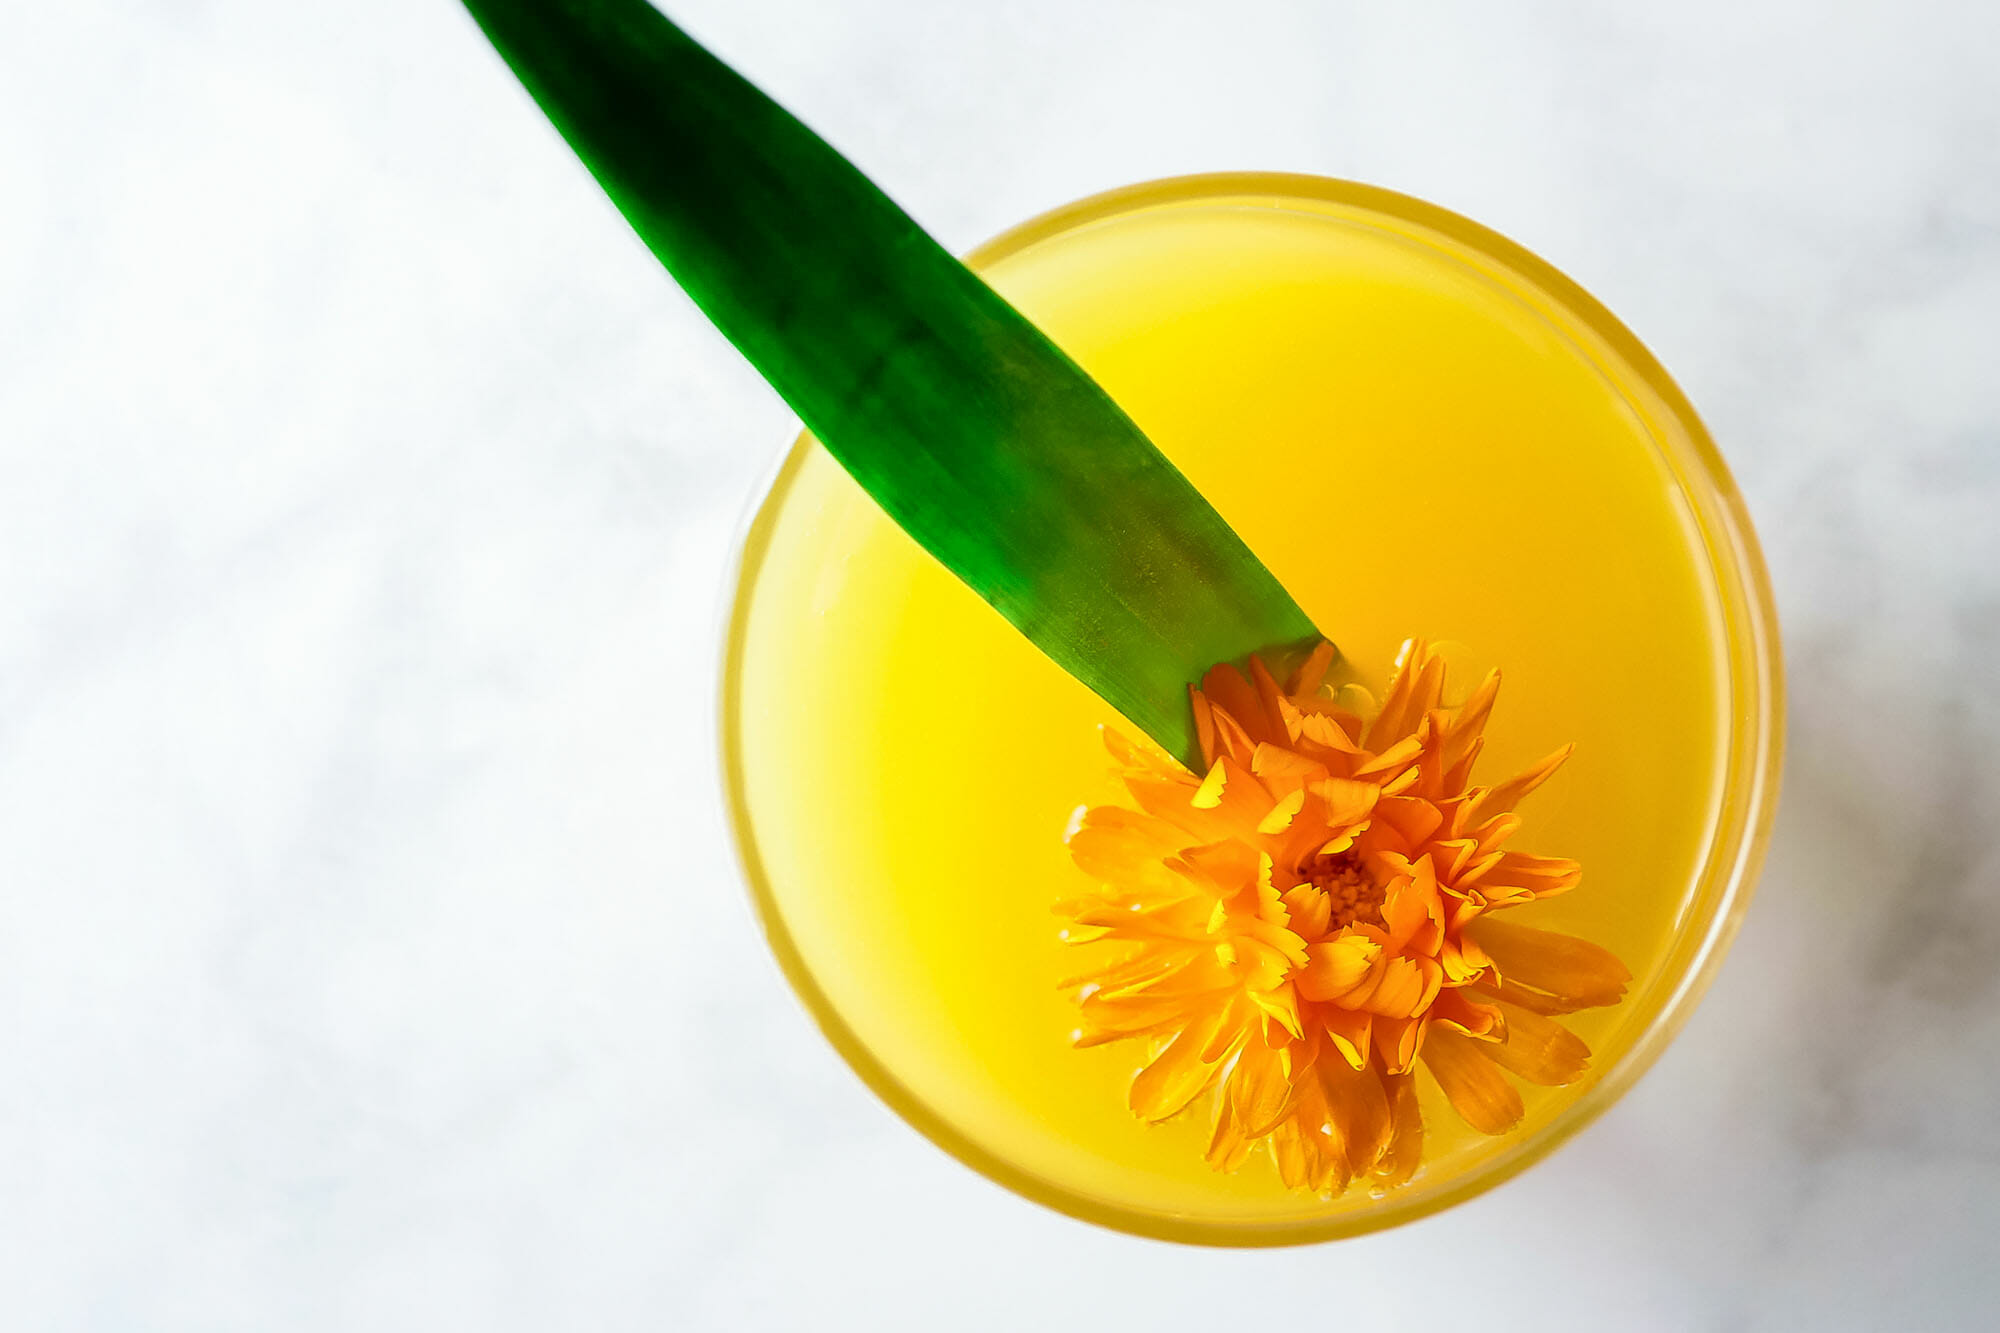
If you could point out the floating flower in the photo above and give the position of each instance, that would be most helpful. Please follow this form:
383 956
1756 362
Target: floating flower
1313 917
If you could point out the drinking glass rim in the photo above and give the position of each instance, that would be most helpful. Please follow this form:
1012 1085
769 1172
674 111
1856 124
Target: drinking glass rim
1753 754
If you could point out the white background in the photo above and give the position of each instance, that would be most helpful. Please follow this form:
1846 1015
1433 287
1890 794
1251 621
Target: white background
372 955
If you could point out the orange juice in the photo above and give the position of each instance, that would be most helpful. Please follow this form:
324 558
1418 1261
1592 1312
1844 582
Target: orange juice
1421 431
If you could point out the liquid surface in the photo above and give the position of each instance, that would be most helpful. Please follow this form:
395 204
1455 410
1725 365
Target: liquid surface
1415 445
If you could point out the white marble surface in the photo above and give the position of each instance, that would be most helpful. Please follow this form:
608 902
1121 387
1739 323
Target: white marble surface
372 955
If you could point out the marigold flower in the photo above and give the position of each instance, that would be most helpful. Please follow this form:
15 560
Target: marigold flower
1313 916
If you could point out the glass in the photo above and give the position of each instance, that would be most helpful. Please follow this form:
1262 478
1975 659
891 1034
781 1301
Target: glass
1423 429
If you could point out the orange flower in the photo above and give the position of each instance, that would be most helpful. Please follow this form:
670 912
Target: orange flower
1313 917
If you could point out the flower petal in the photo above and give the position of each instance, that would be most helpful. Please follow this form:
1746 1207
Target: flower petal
1458 777
1336 966
1571 971
1412 820
1272 698
1324 730
1397 1041
1282 1005
1124 847
1204 725
1350 1030
1477 1089
1403 988
1230 737
1411 911
1127 976
1467 724
1462 957
1177 1074
1231 1029
1312 672
1406 1131
1346 801
1282 814
1460 1013
1305 1146
1535 876
1209 794
1240 800
1539 1049
1496 830
1140 756
1455 856
1281 769
1413 693
1516 994
1118 1019
1309 909
1229 1145
1357 1110
1227 690
1225 868
1506 795
1260 1091
1393 760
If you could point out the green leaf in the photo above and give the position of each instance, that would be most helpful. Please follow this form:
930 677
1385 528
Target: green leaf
964 422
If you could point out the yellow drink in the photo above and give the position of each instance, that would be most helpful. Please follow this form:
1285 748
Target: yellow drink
1421 431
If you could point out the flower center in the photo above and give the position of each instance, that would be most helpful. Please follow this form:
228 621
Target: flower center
1355 896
